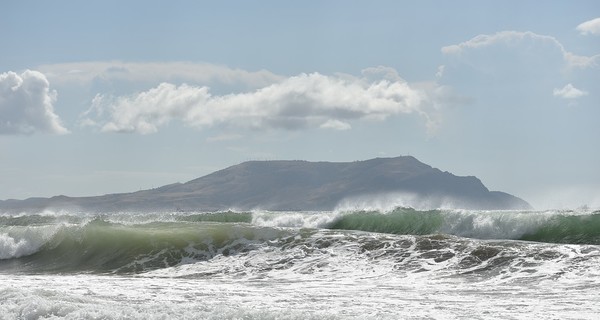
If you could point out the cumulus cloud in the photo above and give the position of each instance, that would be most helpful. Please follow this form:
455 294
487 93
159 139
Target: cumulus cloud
516 37
26 104
298 102
590 27
569 92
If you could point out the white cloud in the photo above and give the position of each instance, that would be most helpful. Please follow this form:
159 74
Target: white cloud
336 125
590 27
513 37
26 104
569 92
440 72
381 72
298 102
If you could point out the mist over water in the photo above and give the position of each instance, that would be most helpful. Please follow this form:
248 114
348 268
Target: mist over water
386 202
566 198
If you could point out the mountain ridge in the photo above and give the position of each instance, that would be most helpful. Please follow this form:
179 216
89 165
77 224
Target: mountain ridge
295 185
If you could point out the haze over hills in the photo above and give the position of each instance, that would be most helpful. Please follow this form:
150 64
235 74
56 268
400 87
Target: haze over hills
296 185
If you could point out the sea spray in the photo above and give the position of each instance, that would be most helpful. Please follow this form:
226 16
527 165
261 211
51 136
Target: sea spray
291 219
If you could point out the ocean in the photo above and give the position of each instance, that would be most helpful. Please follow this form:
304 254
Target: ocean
400 263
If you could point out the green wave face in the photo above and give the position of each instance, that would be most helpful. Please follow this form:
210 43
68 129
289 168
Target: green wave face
133 244
101 246
226 217
581 229
400 221
550 227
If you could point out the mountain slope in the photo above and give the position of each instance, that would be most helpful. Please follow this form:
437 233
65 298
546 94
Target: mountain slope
296 185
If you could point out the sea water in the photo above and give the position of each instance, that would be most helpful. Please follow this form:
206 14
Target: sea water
348 264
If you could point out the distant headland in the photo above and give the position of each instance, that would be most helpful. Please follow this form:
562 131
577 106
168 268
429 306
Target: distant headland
295 185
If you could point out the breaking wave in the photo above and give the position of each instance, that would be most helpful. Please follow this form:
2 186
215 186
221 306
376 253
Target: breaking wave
569 227
102 246
553 227
259 242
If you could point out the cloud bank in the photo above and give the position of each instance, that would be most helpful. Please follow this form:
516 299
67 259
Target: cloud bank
517 37
303 101
110 72
26 104
590 27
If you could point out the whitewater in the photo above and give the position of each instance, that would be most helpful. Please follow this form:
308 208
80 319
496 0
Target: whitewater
398 263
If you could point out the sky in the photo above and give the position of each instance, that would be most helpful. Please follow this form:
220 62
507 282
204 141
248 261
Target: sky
101 97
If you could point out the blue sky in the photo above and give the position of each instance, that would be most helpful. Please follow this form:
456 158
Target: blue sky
114 96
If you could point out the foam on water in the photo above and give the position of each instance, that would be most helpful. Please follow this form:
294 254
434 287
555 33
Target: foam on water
400 263
12 248
305 296
301 219
19 241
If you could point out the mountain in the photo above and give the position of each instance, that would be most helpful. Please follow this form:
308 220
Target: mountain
296 185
